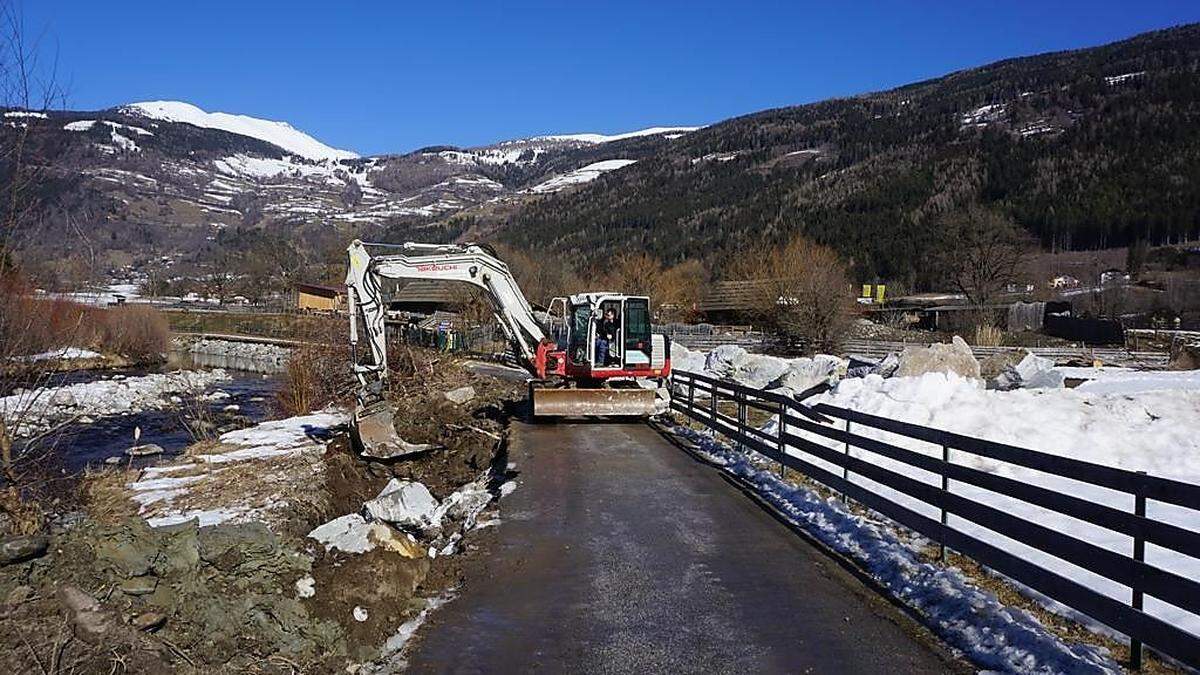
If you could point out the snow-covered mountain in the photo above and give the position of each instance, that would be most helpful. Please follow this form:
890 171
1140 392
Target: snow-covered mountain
281 134
183 174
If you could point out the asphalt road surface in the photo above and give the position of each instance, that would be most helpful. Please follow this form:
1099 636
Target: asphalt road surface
620 553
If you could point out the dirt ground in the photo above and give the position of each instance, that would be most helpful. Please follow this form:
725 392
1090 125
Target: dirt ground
111 595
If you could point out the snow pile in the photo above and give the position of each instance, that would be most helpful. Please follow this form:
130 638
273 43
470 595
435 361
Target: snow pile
38 410
272 457
581 175
64 354
280 134
971 619
1108 380
1105 423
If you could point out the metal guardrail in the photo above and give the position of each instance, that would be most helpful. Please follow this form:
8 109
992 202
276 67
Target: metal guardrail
702 398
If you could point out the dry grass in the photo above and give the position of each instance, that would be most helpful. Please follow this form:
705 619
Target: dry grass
32 325
318 373
106 496
987 335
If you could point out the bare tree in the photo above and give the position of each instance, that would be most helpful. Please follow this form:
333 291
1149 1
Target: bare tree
980 253
801 290
29 88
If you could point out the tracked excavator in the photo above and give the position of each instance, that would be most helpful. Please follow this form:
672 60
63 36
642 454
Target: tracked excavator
573 371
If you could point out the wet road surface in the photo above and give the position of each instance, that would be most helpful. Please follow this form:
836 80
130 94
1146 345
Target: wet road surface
620 553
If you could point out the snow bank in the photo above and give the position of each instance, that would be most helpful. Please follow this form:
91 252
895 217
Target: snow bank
971 619
64 354
602 138
37 410
205 493
1152 431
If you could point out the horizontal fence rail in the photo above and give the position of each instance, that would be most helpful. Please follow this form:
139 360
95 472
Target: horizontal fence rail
725 407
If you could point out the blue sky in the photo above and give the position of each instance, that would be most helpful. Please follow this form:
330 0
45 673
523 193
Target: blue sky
394 76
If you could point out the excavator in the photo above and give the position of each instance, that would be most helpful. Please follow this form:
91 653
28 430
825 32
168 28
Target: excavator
571 374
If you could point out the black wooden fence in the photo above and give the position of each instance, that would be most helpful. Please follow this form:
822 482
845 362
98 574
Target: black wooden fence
710 402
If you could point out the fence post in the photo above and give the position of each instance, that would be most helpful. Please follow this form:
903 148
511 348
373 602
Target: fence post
1139 554
712 405
691 394
846 467
782 445
740 397
945 489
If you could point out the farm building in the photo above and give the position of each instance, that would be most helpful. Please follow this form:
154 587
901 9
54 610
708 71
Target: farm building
318 298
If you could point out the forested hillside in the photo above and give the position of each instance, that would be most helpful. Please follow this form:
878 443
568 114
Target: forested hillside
1084 149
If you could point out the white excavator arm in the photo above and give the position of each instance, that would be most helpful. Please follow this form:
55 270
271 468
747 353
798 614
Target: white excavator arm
466 263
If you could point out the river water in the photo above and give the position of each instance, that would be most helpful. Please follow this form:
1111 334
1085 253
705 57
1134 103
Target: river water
79 445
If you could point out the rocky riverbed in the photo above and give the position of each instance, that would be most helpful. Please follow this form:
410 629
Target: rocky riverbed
36 410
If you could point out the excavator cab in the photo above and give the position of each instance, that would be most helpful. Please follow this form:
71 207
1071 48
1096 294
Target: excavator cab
603 386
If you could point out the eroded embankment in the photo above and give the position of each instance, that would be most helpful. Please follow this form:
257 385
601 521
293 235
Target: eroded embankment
230 580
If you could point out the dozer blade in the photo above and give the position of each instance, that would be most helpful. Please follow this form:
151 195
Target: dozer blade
592 402
375 433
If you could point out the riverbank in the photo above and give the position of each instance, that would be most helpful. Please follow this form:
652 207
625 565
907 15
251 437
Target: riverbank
277 548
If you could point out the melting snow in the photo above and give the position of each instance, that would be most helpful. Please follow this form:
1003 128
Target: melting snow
973 620
581 175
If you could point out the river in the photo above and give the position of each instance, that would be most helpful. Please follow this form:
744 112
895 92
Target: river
110 436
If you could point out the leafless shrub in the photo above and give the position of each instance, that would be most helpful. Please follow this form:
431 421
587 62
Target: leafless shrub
801 290
674 292
138 332
318 372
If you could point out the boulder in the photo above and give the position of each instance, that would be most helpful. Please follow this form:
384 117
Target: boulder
955 357
724 360
92 623
802 374
405 504
20 549
145 450
1033 372
685 359
461 395
887 366
348 533
996 364
63 398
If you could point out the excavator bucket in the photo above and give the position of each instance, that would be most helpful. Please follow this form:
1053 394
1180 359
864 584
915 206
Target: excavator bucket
592 402
375 434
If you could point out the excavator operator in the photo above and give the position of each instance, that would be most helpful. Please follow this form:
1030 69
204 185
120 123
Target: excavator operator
607 329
